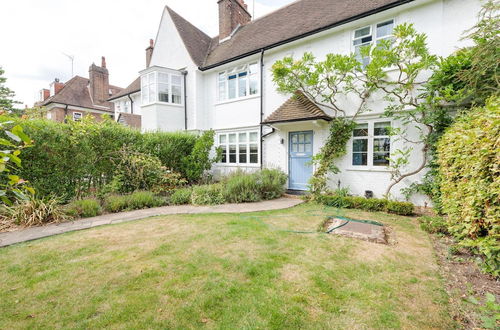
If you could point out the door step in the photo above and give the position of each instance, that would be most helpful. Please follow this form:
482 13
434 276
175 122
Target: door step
297 192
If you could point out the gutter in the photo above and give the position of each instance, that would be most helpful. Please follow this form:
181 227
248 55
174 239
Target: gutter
310 33
119 96
297 120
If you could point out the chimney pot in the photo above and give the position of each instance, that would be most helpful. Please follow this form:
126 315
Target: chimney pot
103 62
232 13
149 52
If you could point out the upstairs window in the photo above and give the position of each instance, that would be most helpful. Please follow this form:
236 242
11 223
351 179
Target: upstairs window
161 87
367 35
238 82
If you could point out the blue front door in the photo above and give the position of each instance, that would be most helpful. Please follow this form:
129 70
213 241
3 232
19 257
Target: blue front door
300 156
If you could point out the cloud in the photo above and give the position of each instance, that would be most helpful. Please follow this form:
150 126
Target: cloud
37 33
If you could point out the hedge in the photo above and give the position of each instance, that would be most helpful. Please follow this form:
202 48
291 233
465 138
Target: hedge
72 159
469 170
367 204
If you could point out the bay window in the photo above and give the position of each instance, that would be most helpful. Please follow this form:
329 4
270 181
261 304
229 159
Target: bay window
239 148
371 144
238 82
161 87
365 36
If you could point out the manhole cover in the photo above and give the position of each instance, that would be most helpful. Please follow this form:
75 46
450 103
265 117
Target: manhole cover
364 230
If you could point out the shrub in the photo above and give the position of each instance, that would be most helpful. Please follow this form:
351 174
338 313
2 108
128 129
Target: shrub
168 182
135 201
334 201
401 208
35 211
375 204
271 183
181 196
84 208
241 187
199 161
470 184
208 195
433 225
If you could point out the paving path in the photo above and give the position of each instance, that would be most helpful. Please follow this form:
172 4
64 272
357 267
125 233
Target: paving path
33 233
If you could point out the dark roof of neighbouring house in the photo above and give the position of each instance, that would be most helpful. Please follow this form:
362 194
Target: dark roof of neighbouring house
76 93
134 87
294 21
297 108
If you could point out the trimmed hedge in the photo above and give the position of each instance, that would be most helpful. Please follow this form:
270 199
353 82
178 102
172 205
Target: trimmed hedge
469 170
367 204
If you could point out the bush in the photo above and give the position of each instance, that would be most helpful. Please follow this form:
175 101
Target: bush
433 225
470 181
208 195
168 182
181 196
271 183
401 208
241 187
135 201
35 211
367 204
84 208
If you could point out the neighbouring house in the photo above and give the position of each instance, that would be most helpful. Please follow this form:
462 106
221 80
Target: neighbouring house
195 82
80 96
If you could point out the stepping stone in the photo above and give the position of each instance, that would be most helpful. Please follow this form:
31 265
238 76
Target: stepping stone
356 229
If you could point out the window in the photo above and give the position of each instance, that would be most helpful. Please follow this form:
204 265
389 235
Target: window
125 106
365 36
239 147
77 116
371 144
238 82
161 87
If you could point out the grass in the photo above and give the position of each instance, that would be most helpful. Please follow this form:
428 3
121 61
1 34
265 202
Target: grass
224 271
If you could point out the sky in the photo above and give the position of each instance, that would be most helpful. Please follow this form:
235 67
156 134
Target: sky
36 35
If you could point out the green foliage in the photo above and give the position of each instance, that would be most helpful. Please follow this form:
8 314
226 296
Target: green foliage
470 181
489 310
83 208
35 211
401 208
367 204
6 94
271 183
135 201
12 141
433 225
208 195
199 161
252 187
181 196
168 182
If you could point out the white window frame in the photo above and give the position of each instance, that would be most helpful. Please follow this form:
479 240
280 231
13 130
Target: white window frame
223 80
370 148
77 113
150 81
238 143
373 33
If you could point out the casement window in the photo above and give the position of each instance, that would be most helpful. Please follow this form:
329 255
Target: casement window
239 148
77 116
161 87
367 35
238 82
371 144
125 106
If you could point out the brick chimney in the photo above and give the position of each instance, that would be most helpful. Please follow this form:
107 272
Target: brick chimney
44 94
149 52
99 82
55 87
231 14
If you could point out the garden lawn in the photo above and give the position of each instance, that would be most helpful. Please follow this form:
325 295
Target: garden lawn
224 271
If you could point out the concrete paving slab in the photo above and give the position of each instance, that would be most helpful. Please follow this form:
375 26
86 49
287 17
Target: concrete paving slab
29 234
359 230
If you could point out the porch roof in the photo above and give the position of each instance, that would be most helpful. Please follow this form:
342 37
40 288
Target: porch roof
297 108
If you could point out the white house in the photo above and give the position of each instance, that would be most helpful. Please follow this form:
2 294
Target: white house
195 82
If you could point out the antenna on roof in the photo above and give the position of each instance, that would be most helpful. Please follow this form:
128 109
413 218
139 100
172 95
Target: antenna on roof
72 59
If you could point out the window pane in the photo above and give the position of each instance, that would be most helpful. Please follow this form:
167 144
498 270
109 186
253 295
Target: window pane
254 68
359 145
222 76
308 147
151 78
254 158
380 159
242 138
222 138
361 130
242 84
176 80
243 153
232 87
381 145
222 91
254 85
301 147
254 148
232 153
176 94
385 29
359 158
144 81
224 154
295 147
253 136
232 138
152 93
382 128
308 138
163 78
362 32
163 93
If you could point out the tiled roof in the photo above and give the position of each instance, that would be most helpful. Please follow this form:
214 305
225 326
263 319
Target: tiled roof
76 92
291 22
134 87
297 108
